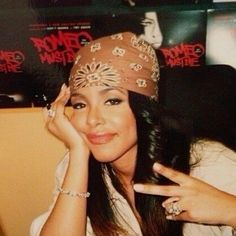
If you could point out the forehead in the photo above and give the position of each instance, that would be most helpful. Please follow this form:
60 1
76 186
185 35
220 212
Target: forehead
100 90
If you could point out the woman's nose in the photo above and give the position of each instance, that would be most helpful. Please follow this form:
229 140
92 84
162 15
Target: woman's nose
95 116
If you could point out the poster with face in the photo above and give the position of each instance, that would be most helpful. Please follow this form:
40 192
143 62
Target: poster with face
221 37
184 38
37 51
179 37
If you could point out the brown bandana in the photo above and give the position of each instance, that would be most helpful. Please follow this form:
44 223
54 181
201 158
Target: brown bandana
120 60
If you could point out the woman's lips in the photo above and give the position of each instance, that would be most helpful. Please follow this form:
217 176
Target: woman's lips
100 138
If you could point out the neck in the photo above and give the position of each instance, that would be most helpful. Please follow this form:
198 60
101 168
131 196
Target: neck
124 168
126 179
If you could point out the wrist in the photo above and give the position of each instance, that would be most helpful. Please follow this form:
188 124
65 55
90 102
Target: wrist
230 209
79 152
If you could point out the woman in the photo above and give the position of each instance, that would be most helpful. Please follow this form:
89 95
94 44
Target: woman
115 134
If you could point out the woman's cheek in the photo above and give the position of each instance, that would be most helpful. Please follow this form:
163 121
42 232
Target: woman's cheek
77 121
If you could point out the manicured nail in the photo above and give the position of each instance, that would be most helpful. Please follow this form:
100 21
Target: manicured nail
63 86
138 187
163 205
157 166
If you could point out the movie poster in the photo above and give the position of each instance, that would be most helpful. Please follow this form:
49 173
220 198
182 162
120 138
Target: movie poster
16 4
36 55
162 2
37 52
184 38
179 36
15 90
58 3
53 45
221 37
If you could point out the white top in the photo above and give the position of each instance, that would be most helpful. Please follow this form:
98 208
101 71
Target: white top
124 213
217 166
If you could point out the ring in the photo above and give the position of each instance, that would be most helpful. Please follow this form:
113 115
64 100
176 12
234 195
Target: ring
51 113
48 106
174 209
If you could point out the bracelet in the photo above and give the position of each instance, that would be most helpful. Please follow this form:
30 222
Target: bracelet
72 193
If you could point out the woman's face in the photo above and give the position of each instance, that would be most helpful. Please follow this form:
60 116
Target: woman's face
104 119
152 32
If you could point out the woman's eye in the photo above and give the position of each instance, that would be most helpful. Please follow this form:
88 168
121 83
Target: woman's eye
113 101
78 105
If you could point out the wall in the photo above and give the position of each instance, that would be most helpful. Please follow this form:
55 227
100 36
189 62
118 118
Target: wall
28 156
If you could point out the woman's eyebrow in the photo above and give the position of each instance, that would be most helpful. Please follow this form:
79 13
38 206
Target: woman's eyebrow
102 92
108 89
77 95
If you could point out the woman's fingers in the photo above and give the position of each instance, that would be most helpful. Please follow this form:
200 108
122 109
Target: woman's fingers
191 200
45 114
54 113
58 106
63 95
166 190
170 200
61 101
173 175
162 190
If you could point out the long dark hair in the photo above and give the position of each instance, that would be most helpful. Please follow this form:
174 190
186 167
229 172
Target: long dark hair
161 138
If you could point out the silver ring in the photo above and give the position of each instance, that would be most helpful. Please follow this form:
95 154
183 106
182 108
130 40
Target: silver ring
174 209
51 113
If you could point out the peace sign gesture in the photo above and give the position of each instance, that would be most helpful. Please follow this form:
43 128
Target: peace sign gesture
192 199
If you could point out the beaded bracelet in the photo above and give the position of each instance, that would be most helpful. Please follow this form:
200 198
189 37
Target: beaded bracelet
72 193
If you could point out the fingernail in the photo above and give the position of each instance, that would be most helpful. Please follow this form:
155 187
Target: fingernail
138 187
63 86
157 166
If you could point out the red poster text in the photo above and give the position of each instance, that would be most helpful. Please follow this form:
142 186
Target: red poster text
11 61
60 47
183 55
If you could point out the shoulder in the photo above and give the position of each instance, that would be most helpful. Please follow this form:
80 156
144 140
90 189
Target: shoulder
215 164
206 151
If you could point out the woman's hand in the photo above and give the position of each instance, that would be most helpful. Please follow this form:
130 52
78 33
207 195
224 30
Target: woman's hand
194 200
68 215
59 124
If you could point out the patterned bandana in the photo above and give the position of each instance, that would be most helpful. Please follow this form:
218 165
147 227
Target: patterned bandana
120 60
